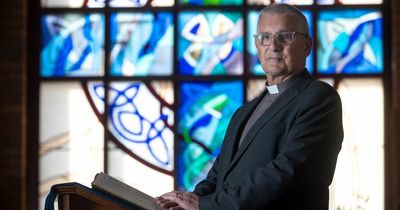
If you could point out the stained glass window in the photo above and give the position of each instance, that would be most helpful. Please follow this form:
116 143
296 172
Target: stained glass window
137 173
295 2
141 3
72 3
72 45
141 44
267 2
71 136
350 1
210 43
254 88
204 114
350 42
144 89
210 2
359 186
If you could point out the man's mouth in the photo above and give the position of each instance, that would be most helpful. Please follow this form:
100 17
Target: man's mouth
274 58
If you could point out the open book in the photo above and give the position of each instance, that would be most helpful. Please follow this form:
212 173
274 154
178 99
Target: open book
123 191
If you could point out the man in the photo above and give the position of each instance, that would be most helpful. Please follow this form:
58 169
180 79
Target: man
280 149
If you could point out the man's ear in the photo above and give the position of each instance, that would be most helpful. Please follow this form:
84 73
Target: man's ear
308 45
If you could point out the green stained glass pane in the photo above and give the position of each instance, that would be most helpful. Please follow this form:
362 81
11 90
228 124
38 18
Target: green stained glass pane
204 113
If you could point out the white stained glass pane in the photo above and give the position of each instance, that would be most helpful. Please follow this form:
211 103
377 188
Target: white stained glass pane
141 120
126 169
71 137
361 1
96 94
162 3
329 81
72 3
359 177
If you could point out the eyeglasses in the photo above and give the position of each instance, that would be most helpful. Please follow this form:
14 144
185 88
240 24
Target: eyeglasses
282 37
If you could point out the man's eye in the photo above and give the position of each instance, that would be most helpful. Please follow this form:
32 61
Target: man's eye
266 37
283 36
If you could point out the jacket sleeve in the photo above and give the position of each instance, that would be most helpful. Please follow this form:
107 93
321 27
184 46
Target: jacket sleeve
207 186
308 157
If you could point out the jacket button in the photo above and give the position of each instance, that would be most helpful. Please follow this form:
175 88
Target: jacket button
226 185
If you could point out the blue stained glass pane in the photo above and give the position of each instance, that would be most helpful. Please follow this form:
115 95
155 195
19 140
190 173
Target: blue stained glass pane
140 120
325 1
141 3
205 111
210 43
142 44
350 42
310 58
72 45
254 63
210 2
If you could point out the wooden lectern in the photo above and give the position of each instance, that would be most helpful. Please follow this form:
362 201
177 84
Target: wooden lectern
74 196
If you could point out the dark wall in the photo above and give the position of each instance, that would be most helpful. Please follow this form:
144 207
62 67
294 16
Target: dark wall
393 122
12 103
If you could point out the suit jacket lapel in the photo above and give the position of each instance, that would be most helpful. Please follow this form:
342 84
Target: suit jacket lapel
298 85
241 121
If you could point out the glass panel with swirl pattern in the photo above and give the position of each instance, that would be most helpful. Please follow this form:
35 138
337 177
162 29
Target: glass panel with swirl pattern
204 113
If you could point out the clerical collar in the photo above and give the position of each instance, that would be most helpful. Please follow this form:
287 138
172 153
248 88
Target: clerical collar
273 89
279 88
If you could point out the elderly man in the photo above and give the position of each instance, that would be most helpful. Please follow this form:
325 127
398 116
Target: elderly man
280 149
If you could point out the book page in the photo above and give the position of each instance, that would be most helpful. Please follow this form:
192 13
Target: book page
115 187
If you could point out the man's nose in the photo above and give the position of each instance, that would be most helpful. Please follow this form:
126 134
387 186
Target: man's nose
274 44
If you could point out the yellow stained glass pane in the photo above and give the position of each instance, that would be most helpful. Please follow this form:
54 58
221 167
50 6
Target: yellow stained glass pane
255 88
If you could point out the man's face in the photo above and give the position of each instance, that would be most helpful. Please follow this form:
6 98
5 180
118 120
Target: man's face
282 60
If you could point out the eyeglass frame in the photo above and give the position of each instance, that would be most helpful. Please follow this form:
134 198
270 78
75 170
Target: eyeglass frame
257 37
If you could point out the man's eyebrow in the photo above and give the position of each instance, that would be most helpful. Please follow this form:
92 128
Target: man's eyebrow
281 31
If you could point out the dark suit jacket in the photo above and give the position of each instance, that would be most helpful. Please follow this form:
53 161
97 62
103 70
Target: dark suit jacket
288 157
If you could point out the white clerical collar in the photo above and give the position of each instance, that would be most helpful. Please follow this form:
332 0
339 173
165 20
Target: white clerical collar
273 89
